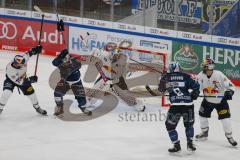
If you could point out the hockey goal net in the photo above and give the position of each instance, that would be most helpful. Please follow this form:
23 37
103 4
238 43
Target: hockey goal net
146 67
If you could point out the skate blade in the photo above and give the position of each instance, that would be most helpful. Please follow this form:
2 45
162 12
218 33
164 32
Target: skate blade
201 139
58 116
88 113
189 151
233 146
177 154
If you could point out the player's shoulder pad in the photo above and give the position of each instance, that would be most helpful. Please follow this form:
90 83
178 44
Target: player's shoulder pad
218 72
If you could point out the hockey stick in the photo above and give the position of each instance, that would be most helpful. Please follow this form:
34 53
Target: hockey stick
40 35
154 94
153 69
203 96
150 90
84 39
210 96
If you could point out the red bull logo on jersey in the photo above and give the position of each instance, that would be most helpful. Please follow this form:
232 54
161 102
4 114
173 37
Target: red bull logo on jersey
209 91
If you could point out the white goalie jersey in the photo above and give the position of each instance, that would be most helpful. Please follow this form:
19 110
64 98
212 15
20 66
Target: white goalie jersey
17 75
216 85
113 65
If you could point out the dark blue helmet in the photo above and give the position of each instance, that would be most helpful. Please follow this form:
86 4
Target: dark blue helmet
19 60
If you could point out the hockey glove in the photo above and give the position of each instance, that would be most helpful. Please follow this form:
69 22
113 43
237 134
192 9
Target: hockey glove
33 79
36 50
228 95
63 53
60 26
195 94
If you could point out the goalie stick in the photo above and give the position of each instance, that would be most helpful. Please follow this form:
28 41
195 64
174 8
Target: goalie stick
40 35
153 69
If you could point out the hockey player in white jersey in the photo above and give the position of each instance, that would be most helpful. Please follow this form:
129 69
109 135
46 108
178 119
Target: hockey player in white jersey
112 66
215 83
16 76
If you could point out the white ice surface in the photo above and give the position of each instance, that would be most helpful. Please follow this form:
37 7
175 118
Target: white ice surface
24 135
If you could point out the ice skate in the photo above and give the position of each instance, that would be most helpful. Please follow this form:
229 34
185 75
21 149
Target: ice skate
85 110
40 110
176 148
141 108
1 108
232 141
202 136
58 110
190 146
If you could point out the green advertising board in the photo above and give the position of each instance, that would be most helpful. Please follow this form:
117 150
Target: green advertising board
190 57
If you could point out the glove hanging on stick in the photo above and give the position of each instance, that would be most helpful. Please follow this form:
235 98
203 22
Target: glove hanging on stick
60 26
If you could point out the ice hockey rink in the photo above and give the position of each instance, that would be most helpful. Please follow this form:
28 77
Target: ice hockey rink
25 135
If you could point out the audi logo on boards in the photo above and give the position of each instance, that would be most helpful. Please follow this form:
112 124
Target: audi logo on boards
187 35
8 30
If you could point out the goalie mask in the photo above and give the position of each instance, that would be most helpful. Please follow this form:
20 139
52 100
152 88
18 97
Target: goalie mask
173 67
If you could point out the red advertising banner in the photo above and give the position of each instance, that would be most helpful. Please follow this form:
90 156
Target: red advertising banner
21 35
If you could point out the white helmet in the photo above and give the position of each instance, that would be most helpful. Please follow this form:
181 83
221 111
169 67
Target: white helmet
173 67
208 63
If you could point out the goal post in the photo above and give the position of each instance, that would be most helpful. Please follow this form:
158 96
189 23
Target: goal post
149 63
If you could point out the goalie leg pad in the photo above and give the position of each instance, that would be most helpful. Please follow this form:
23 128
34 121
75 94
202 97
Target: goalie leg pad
125 95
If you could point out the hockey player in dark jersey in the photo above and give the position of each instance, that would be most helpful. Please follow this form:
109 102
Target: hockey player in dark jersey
70 79
178 84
